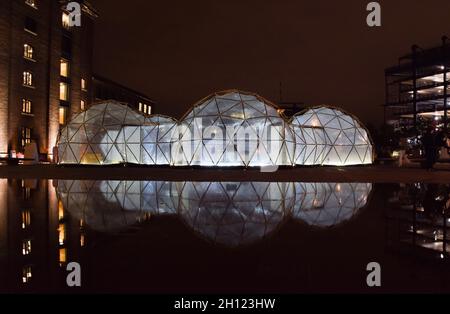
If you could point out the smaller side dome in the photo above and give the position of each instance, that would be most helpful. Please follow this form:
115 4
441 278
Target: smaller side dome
110 132
329 136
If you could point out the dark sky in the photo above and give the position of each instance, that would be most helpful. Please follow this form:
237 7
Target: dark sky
322 51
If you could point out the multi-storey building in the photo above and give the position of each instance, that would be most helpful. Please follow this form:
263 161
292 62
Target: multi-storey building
418 87
45 70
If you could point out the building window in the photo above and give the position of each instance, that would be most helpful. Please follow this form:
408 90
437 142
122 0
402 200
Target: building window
26 106
28 52
25 136
62 255
64 68
30 25
26 274
61 233
82 104
27 78
26 247
147 109
26 219
60 210
62 115
65 18
31 3
63 91
83 85
82 240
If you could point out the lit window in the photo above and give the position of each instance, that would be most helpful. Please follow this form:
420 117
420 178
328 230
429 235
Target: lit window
83 85
145 108
60 210
63 91
26 106
28 51
65 20
62 115
25 136
82 240
82 105
61 233
27 78
31 3
64 68
26 219
62 255
26 247
26 274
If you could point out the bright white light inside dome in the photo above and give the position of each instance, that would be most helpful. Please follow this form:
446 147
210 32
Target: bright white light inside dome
227 129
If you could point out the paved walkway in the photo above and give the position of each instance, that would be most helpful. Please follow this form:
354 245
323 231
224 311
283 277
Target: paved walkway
305 174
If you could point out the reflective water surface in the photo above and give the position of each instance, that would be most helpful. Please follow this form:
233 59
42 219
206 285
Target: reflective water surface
179 237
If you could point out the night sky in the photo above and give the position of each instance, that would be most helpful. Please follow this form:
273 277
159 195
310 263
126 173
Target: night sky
322 51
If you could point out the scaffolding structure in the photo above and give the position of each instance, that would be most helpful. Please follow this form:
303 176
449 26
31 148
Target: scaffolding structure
418 87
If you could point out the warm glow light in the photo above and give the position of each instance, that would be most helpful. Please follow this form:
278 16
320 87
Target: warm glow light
65 19
61 234
63 91
27 78
60 210
82 240
64 68
26 247
27 51
26 274
26 219
62 115
62 255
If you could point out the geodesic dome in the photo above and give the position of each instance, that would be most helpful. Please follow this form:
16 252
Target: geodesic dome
157 140
328 136
233 128
111 133
113 205
234 213
329 204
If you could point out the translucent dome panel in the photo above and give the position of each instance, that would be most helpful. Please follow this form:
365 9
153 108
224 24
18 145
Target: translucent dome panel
111 205
233 129
329 204
327 136
113 133
234 213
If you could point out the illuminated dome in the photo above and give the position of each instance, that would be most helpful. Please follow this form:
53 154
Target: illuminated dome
328 136
329 204
112 133
157 140
110 206
235 213
233 128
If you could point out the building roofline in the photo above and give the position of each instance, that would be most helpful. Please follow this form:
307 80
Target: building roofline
109 81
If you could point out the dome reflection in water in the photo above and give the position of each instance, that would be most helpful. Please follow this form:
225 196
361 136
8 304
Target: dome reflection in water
227 213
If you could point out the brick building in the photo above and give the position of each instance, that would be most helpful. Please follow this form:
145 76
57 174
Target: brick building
45 71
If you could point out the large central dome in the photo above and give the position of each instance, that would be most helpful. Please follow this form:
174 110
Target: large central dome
233 128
